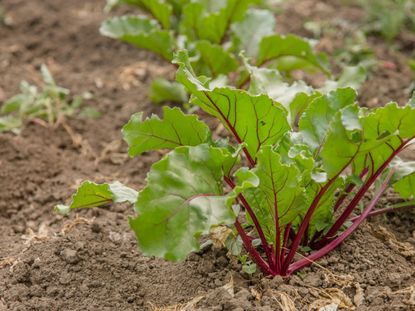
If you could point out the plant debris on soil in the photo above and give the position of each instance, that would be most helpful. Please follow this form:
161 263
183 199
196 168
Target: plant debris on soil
90 261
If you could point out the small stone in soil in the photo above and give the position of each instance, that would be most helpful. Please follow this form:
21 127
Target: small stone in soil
222 261
52 291
218 282
95 228
313 280
70 256
276 281
65 278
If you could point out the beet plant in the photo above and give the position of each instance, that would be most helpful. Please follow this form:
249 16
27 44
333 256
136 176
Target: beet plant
291 177
389 17
213 32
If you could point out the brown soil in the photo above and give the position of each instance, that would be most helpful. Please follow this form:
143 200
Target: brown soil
89 261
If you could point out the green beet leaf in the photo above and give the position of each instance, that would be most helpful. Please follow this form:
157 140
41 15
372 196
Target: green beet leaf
213 59
162 90
404 182
249 32
161 10
279 191
302 190
183 199
339 148
316 119
352 76
406 186
174 130
209 20
323 215
277 47
141 32
270 82
90 195
253 119
10 123
384 130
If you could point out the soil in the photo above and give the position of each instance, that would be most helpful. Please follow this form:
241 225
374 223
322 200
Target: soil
89 260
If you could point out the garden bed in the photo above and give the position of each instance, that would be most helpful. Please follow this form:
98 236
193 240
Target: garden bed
90 261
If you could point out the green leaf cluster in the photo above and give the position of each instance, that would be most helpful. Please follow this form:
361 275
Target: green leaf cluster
281 160
292 163
50 104
214 33
389 17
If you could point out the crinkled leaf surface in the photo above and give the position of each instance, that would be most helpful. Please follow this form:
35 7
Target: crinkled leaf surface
182 200
340 148
256 25
141 32
270 82
90 194
279 189
254 119
174 130
390 119
384 130
312 179
277 47
315 121
330 125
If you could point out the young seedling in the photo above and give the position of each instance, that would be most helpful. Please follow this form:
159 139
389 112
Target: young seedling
47 106
289 179
389 17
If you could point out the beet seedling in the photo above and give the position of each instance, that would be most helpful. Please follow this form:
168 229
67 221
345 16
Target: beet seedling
48 105
291 175
389 17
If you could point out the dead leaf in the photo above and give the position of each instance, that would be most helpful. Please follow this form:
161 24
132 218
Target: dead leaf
219 235
33 237
331 299
112 152
408 291
180 307
359 296
284 301
330 307
342 280
7 261
230 287
339 297
74 222
256 294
